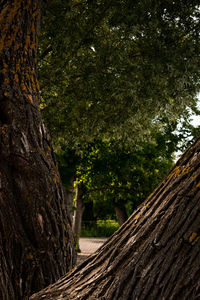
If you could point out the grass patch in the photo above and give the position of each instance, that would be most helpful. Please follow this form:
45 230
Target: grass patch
100 228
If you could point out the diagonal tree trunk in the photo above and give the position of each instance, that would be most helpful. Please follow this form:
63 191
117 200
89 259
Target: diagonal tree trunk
36 242
155 254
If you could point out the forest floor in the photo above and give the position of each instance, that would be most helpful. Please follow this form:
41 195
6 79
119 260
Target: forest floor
88 246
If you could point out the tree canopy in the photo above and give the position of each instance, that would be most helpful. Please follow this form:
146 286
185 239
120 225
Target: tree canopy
110 71
108 68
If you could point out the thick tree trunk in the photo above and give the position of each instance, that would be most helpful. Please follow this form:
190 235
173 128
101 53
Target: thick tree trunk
121 214
155 254
78 214
36 242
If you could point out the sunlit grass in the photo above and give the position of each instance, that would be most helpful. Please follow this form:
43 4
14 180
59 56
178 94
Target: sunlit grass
100 228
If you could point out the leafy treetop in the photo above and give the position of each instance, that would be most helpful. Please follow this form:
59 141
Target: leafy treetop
108 68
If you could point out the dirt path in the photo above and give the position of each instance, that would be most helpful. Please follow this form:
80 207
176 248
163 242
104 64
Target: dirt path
89 246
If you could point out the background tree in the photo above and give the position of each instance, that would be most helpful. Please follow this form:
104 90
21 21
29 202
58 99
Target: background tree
123 177
36 242
112 180
108 68
120 178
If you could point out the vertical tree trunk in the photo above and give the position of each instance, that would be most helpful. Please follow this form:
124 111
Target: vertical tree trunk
69 199
77 221
36 242
121 214
155 254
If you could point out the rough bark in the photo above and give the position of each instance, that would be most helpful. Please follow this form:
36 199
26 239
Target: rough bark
78 214
155 254
36 242
121 214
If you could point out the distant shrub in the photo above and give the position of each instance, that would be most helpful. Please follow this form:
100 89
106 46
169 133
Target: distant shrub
100 228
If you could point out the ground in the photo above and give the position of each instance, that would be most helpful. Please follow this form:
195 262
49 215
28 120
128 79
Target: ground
89 246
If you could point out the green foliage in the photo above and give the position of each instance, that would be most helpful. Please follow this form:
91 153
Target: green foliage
100 228
116 176
111 72
108 68
186 132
